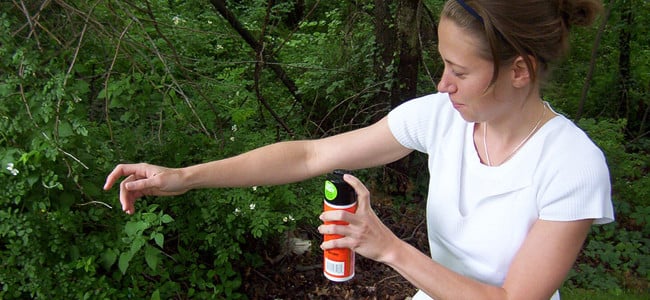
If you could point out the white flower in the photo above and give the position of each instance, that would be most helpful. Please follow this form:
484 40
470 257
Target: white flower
285 219
209 22
14 171
232 138
288 218
234 127
176 20
237 211
252 206
254 188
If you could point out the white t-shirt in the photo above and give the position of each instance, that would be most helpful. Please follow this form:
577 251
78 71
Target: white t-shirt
478 216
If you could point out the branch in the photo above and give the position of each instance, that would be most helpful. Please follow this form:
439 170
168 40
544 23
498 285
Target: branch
29 113
220 5
81 38
259 66
180 66
29 21
108 76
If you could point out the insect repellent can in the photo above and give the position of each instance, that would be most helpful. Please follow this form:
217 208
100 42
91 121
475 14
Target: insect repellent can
338 264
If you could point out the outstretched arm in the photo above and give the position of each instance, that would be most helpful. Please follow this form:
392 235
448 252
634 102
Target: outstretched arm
278 163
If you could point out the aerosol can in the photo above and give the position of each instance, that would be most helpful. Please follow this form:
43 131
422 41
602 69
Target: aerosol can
338 264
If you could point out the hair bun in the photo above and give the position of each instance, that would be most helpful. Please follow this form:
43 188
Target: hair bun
579 12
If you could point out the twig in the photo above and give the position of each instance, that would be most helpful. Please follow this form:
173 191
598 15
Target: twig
65 152
262 275
178 88
95 202
340 103
415 230
108 76
290 35
76 50
31 24
384 279
426 68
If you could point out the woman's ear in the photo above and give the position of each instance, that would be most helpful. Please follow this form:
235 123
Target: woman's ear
521 73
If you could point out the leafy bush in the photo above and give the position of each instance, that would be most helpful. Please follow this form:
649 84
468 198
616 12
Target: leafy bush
64 124
617 256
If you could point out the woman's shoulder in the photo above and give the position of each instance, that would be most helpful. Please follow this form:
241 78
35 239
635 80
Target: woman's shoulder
570 157
421 122
436 99
433 107
576 183
570 142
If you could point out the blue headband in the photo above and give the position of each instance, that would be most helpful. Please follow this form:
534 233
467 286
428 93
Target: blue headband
470 10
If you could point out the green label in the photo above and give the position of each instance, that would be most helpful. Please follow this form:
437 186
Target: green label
330 190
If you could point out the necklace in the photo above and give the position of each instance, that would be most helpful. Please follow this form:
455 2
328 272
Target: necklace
485 148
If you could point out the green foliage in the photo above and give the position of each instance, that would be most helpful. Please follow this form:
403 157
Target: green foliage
67 119
583 294
169 82
616 256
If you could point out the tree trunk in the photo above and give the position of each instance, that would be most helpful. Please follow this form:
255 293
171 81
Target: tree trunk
399 49
408 28
385 39
592 62
624 62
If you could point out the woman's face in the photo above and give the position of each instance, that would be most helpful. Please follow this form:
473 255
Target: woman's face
467 75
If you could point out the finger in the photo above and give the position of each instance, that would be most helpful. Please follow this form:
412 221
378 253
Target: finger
337 229
141 184
120 171
343 231
127 198
363 195
343 242
336 215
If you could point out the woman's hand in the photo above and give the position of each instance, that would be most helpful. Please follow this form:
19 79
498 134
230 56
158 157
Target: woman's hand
365 234
143 180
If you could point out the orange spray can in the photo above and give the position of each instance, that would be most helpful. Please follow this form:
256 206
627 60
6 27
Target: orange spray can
338 264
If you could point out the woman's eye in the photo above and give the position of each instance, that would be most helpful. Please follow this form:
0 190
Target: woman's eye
457 74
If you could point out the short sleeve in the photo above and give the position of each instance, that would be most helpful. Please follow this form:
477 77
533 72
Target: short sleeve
417 124
579 186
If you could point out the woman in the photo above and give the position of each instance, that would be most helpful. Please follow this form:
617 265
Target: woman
514 187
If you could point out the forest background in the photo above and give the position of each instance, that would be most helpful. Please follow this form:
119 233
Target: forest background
85 85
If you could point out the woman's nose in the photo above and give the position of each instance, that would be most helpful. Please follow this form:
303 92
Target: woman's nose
445 86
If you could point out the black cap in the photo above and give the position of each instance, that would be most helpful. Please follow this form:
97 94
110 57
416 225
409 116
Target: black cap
337 191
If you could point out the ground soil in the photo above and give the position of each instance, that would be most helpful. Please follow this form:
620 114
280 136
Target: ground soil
288 276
